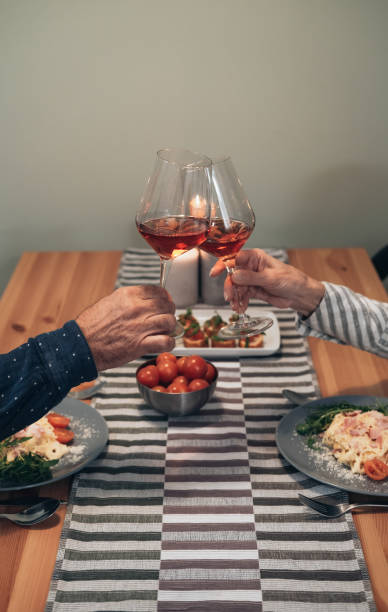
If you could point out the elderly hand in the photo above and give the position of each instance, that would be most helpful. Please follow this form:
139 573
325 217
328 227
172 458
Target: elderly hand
128 323
261 276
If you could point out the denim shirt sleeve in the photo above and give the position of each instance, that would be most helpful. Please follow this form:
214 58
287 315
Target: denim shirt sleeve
37 375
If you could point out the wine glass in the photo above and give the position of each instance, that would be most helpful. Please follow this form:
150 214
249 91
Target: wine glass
174 213
232 222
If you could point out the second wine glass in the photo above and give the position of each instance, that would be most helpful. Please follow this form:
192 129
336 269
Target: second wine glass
175 209
232 222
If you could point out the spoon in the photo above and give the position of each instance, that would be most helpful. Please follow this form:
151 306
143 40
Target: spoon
86 393
34 514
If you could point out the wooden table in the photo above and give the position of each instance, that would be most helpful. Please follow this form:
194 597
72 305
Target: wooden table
48 289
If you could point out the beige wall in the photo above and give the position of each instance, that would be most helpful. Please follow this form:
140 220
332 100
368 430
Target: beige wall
295 90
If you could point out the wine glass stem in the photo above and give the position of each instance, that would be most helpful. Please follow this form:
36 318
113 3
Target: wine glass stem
163 272
242 317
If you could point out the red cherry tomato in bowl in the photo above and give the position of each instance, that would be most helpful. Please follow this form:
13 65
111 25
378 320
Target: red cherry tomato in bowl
168 370
164 356
195 367
148 376
198 383
159 388
210 373
175 387
181 380
181 364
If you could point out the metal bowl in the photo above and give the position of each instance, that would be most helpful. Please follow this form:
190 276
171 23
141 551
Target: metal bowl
176 404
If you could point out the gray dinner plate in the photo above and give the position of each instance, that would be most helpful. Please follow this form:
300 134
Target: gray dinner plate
321 465
91 436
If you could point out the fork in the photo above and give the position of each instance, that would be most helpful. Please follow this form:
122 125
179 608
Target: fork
334 511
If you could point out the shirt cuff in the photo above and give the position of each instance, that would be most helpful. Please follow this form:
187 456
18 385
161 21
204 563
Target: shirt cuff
66 356
318 324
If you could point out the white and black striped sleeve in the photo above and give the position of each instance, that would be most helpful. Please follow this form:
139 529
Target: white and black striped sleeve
347 317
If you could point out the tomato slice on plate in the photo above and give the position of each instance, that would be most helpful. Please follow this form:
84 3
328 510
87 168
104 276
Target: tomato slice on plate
376 469
57 420
64 436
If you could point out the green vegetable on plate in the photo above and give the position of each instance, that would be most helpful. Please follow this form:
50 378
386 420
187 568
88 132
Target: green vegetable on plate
321 418
24 469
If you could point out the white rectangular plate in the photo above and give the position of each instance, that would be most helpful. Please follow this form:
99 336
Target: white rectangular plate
270 345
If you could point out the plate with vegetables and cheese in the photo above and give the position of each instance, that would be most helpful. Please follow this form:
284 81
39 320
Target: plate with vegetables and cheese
55 447
340 440
201 334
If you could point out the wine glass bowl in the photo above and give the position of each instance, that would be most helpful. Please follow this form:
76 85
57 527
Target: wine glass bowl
175 209
232 222
232 218
173 236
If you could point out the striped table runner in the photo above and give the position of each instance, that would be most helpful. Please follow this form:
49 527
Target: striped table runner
201 513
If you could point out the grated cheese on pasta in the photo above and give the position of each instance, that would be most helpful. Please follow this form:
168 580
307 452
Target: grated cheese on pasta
356 437
42 442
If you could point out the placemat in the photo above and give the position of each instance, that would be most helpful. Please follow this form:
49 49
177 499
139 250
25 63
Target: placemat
201 513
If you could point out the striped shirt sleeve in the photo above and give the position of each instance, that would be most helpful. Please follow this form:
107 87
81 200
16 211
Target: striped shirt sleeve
346 317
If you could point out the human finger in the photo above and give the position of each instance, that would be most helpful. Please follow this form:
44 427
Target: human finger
254 259
160 323
248 278
158 343
228 289
218 268
243 258
159 296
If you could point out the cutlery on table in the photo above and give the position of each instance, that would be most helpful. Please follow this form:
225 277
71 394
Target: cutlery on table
86 393
33 514
28 500
297 398
335 510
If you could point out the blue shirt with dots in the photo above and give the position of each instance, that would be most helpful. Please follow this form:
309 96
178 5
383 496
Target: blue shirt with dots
37 375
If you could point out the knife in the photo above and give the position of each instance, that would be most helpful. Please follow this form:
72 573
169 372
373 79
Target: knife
27 501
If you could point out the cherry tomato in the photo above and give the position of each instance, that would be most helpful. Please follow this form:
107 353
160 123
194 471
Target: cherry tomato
159 388
181 363
376 469
175 387
57 420
64 436
198 383
210 373
181 380
148 376
168 370
195 367
164 356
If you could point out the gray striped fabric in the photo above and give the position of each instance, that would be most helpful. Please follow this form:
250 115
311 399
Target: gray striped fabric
347 317
201 513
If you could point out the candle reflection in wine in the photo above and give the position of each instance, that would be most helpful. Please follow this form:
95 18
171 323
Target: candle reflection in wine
198 207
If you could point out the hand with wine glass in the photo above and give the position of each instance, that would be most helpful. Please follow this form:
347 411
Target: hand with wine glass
175 209
232 222
260 276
